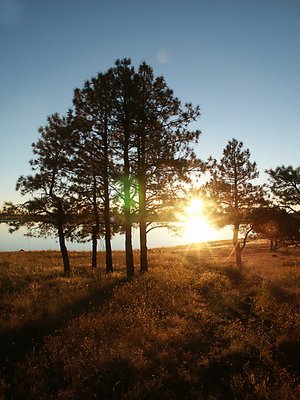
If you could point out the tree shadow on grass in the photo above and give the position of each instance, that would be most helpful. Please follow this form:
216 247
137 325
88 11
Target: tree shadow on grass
16 343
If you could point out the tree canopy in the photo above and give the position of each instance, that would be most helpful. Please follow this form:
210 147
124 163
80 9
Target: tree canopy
284 183
119 156
123 157
232 191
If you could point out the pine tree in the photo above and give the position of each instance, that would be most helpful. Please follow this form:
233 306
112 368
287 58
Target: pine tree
93 106
51 207
232 190
163 145
284 183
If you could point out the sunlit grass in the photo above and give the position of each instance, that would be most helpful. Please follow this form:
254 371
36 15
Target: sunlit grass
194 327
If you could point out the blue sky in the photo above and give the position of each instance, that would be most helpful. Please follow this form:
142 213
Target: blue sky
239 60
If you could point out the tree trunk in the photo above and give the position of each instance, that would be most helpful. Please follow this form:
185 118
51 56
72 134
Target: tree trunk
129 252
238 256
128 231
61 237
127 197
108 250
96 227
126 181
128 226
237 246
142 195
144 249
143 228
63 249
107 224
94 246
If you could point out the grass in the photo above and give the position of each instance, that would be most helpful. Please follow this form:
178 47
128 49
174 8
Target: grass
194 327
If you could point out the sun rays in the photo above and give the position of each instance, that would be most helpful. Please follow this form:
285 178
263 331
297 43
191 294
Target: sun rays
196 226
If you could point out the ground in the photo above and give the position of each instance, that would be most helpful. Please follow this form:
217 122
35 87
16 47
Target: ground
194 327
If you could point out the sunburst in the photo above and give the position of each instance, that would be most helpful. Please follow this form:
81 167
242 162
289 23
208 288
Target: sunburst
197 227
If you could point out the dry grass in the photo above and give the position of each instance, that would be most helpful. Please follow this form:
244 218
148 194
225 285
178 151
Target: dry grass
194 327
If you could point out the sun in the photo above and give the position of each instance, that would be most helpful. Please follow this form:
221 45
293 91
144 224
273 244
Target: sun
195 206
196 226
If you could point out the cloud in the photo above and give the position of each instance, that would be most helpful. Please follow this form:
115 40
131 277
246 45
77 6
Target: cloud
163 56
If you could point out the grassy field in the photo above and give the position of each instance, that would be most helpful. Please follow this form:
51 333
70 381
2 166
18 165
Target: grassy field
194 327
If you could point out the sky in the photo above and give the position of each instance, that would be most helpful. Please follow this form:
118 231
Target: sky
239 60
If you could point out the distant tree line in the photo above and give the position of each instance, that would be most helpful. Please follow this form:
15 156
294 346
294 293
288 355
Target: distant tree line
123 156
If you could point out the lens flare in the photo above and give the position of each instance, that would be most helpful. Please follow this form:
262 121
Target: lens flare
196 226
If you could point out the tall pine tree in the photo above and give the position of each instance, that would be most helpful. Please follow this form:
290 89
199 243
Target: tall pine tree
232 190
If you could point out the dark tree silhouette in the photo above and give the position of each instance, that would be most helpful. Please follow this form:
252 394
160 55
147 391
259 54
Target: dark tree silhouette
233 192
162 149
277 225
284 184
93 106
128 140
124 106
51 207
